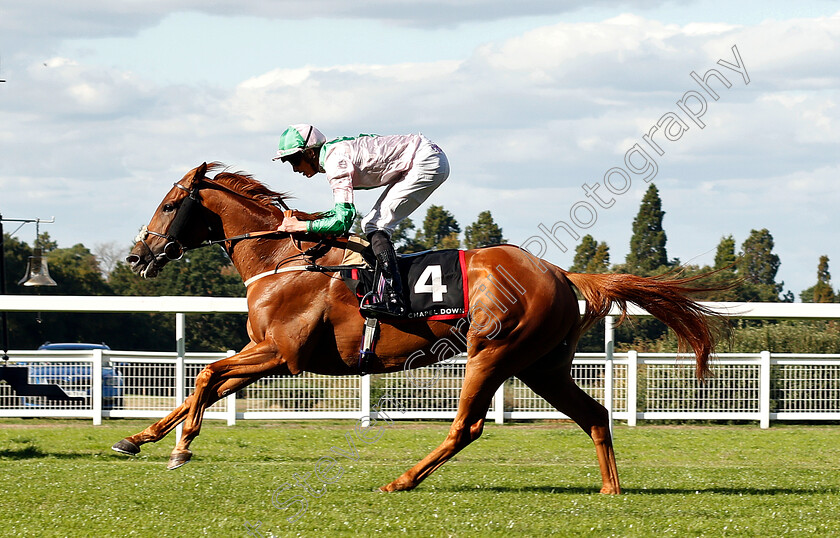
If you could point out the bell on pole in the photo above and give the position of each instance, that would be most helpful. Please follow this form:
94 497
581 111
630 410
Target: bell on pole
17 377
37 272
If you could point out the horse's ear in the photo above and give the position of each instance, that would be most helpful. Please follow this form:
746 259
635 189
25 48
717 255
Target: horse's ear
196 175
200 171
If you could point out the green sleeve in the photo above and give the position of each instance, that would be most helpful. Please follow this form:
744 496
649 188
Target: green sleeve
337 220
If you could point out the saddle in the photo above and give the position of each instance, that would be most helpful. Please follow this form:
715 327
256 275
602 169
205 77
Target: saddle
433 286
433 280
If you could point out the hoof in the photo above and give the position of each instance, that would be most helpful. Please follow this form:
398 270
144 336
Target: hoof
126 447
178 459
394 486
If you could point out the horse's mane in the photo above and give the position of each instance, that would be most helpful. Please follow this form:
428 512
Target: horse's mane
245 185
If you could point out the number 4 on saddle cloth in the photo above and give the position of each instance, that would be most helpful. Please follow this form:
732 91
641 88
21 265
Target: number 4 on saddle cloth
433 282
433 286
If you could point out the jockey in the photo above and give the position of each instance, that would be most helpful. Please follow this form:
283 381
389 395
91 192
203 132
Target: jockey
410 167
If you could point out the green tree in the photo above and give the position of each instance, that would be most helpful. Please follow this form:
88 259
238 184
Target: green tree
584 252
45 243
440 229
76 270
758 266
647 255
725 256
821 292
403 243
451 241
483 232
591 256
724 277
600 263
16 255
647 244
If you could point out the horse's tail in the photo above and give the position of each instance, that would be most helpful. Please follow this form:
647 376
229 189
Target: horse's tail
664 297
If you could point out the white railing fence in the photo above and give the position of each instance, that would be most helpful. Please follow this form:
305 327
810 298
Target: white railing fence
645 386
761 386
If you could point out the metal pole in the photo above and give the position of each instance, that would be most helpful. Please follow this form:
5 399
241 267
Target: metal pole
609 350
3 291
180 367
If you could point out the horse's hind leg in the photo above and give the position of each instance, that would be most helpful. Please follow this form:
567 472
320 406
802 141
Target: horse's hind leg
551 378
476 394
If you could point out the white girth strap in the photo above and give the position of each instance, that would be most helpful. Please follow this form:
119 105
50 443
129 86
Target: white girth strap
275 272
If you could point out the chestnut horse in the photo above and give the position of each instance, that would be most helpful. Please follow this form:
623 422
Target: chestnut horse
301 320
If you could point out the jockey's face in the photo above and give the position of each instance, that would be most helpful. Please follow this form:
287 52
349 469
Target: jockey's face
305 163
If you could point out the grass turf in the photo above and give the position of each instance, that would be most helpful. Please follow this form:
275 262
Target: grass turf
60 478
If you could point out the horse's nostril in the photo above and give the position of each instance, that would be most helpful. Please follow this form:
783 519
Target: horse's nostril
132 259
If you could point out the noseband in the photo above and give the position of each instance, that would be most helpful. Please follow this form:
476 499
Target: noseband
174 249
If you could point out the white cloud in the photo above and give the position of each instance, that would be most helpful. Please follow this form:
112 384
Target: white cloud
563 47
40 20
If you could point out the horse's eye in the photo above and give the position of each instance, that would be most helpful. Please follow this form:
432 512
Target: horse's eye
168 208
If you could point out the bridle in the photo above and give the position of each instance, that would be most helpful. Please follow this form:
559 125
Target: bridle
174 249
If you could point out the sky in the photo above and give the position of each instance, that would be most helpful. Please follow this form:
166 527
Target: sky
556 115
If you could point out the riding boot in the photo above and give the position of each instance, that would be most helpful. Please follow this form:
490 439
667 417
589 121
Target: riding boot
390 302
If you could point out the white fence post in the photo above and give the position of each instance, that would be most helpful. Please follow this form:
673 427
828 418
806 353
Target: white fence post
180 366
230 400
632 386
364 404
499 404
609 348
764 390
96 386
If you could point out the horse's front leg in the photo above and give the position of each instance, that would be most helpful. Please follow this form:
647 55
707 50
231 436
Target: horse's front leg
233 373
155 432
160 429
